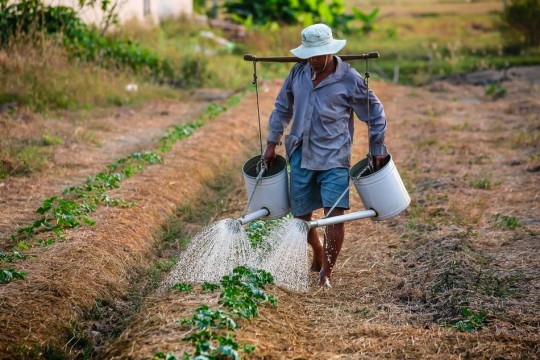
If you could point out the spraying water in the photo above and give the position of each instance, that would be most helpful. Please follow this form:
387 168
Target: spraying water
284 254
212 253
220 247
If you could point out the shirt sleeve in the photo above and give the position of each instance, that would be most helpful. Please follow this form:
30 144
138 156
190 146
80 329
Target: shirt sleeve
376 119
283 111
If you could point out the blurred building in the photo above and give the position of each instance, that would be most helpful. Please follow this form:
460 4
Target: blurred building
146 11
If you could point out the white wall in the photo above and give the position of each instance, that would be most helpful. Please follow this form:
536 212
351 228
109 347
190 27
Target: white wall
130 9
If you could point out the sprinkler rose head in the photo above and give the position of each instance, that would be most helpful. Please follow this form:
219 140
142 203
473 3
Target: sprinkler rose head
234 225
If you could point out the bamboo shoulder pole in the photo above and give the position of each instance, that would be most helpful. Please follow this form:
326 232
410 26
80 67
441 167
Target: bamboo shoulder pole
249 57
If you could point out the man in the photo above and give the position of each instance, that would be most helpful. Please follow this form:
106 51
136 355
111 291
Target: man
320 96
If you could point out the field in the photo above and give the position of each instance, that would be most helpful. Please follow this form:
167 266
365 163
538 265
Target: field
454 276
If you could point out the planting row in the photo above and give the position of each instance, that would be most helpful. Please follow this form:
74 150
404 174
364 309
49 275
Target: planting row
73 208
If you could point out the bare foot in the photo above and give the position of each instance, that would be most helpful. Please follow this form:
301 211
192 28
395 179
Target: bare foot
323 280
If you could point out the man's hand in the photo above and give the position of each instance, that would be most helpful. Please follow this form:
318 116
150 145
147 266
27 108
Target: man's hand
379 161
269 154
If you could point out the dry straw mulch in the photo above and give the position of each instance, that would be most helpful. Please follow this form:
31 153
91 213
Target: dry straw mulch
400 285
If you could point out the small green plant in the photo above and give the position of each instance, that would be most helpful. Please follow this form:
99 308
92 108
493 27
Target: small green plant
368 20
183 287
157 270
495 90
271 13
242 291
8 275
161 355
258 230
177 133
209 287
58 215
211 329
484 183
472 321
15 255
49 140
506 222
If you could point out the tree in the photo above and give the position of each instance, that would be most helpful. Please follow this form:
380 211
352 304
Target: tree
521 22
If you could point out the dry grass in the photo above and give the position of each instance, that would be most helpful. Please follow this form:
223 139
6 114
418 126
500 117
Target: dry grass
39 74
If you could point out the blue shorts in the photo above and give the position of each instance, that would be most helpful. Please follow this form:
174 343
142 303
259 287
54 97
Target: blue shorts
311 189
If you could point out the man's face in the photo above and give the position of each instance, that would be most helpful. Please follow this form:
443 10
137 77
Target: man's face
318 63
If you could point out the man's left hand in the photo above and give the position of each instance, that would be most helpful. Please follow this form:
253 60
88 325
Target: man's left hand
379 161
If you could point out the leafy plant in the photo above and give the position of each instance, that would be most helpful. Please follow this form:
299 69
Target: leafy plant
32 18
472 321
8 275
495 90
178 132
58 215
242 291
484 183
292 12
368 20
15 255
206 286
506 222
183 287
257 230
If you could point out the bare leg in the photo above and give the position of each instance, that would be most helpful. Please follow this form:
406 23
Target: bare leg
333 241
313 240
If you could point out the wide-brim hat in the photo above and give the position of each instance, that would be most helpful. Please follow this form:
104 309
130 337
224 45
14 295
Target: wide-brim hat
317 40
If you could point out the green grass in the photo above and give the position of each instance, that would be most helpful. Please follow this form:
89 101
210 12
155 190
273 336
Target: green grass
423 44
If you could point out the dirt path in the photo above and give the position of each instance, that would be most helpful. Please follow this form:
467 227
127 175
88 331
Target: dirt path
471 166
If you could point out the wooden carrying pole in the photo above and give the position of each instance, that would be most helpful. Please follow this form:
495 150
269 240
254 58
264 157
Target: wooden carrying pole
248 57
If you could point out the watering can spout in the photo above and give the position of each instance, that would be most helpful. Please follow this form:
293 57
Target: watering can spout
341 218
254 216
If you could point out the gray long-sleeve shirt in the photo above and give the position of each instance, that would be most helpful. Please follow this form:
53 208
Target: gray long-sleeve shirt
323 116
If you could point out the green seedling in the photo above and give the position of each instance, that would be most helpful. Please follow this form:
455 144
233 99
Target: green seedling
183 287
484 183
242 291
161 355
209 287
472 321
495 90
205 318
15 255
506 222
177 133
8 275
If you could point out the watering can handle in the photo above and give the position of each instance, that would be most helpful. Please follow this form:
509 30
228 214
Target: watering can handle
262 170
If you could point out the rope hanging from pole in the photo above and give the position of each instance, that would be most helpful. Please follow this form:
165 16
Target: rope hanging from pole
258 107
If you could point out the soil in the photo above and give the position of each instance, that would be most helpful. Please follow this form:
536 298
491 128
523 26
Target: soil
469 239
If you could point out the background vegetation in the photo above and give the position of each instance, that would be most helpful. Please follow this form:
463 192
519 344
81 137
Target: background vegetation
50 60
52 52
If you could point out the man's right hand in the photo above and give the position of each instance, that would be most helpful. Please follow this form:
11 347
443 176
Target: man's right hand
269 154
